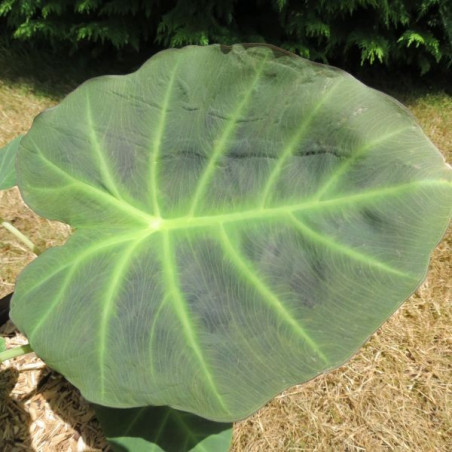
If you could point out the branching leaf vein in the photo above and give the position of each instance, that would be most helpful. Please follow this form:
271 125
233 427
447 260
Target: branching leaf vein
182 312
245 268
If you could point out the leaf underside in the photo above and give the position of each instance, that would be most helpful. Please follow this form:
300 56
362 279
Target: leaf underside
244 218
162 429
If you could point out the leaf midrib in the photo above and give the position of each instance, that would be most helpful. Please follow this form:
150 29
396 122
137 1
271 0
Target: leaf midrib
153 223
202 221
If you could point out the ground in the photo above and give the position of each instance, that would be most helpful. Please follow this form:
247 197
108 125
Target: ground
395 394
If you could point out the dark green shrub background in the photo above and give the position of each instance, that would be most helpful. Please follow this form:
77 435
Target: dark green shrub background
349 33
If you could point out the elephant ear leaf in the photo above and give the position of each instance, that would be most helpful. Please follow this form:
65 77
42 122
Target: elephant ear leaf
7 163
162 429
244 220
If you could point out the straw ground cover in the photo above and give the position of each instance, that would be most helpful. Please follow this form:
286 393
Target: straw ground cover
394 395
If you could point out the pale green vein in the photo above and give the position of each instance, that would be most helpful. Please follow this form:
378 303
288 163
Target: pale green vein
222 142
295 140
115 280
74 264
134 421
152 333
163 422
271 213
355 155
179 418
157 143
246 269
240 331
183 314
56 297
336 247
105 170
374 194
138 214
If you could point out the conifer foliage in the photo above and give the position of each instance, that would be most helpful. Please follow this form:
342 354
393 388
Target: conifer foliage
417 33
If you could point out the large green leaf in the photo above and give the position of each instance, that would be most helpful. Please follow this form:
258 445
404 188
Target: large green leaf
162 429
244 218
7 162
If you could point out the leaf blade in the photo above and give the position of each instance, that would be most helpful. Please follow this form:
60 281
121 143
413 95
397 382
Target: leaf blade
235 234
7 163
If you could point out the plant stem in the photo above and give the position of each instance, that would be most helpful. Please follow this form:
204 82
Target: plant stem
24 239
16 351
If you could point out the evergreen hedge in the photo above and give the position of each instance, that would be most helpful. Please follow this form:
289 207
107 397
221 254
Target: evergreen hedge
393 33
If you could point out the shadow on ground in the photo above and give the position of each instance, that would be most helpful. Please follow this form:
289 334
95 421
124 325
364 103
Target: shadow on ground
37 405
54 75
68 407
15 421
66 402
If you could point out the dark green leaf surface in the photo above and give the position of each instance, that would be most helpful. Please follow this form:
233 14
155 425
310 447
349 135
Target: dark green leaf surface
245 219
7 163
162 429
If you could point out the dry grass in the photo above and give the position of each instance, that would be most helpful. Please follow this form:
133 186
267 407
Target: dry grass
395 395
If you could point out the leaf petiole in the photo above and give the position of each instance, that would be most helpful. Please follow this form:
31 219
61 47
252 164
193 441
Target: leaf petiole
23 238
15 352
